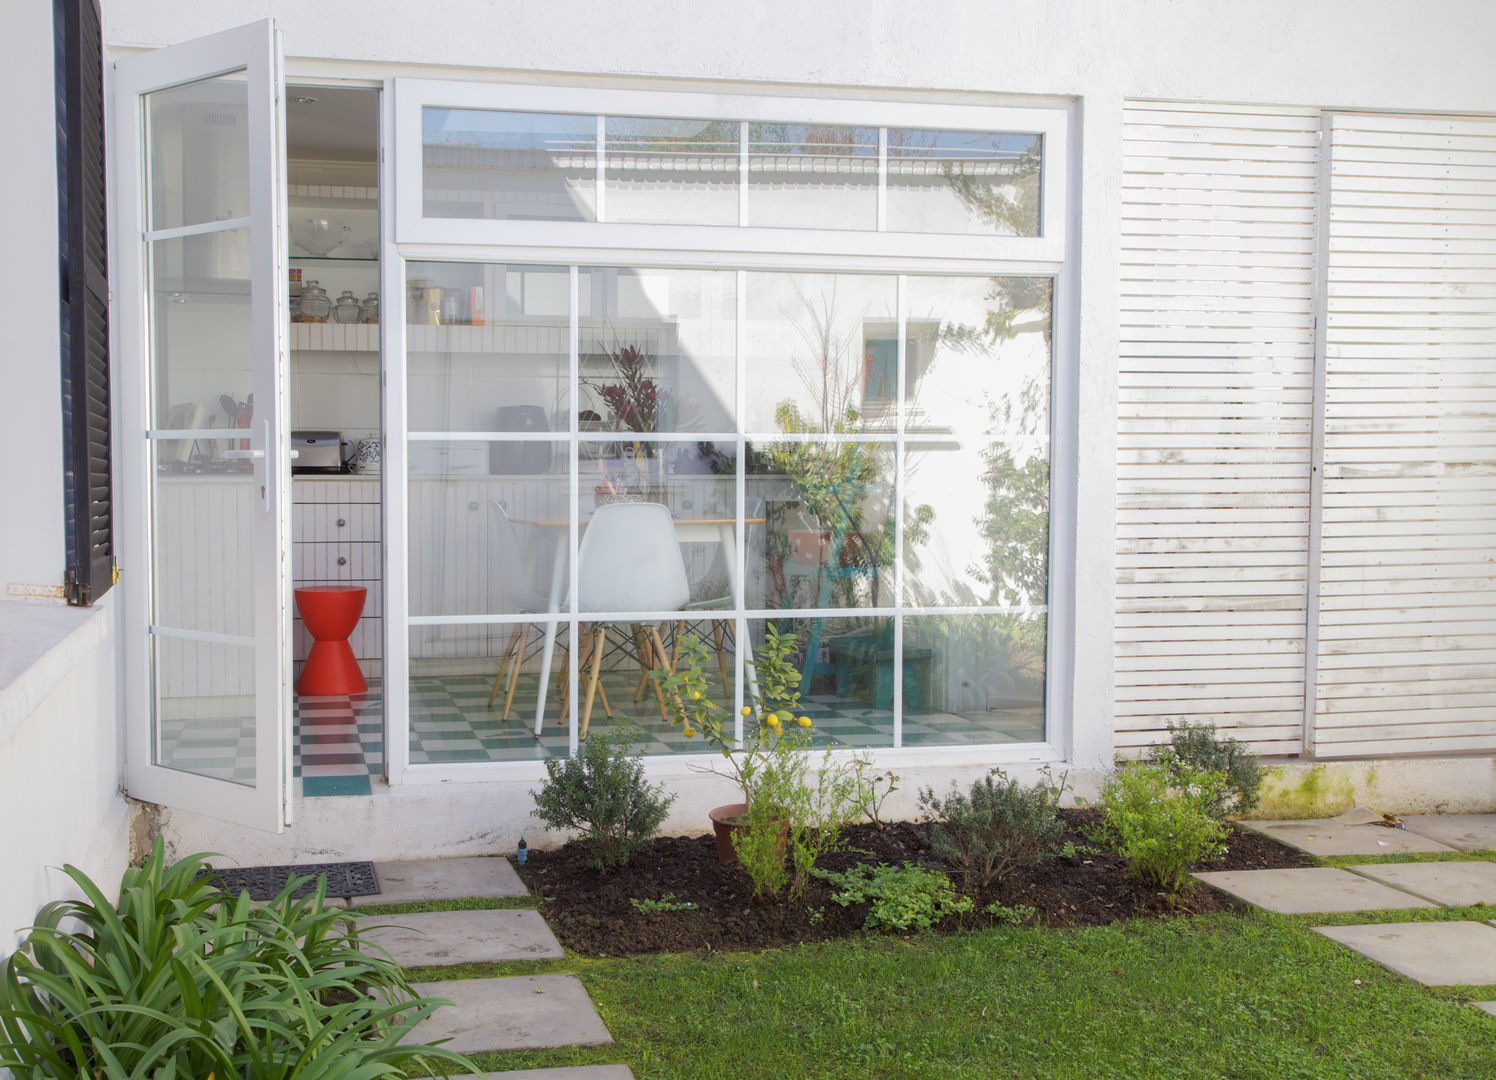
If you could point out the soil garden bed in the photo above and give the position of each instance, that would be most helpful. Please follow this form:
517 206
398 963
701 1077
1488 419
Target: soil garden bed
592 912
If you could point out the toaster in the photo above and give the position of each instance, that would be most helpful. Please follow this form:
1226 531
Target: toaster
317 452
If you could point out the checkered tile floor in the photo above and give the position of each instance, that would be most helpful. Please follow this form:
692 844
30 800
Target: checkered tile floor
340 739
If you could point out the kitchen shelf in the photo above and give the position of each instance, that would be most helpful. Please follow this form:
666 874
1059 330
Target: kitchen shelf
335 337
334 258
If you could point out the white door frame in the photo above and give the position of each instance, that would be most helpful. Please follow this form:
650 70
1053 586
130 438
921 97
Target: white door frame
254 50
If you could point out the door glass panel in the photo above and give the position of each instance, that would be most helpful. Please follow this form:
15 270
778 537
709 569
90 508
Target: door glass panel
813 176
199 152
963 182
679 172
205 708
974 679
201 312
202 492
495 164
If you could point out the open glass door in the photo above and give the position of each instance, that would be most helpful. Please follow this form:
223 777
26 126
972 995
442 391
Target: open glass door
201 312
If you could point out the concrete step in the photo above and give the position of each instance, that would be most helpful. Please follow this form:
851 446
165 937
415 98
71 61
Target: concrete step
1315 890
573 1072
442 938
1466 832
1433 953
522 1012
1453 884
1325 837
443 879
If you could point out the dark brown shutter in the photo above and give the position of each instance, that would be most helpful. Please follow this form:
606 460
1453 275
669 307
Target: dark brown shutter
85 302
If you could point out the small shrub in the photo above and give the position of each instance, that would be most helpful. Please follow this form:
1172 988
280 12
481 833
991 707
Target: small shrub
1199 748
1003 915
901 897
602 792
872 789
668 902
997 827
1160 822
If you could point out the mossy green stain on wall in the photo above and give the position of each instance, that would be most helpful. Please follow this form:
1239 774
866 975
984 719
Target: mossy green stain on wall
1290 794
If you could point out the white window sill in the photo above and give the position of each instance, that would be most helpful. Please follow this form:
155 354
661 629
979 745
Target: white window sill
39 645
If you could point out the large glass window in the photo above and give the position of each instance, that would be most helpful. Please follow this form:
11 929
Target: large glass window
740 372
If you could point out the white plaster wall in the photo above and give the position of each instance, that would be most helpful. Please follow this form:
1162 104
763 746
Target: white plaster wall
59 754
31 527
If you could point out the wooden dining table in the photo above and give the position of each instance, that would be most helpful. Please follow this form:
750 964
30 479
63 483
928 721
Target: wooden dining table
694 530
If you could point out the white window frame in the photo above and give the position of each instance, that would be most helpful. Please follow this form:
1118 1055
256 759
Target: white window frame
412 237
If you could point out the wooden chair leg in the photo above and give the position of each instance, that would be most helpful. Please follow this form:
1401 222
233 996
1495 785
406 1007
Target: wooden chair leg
659 649
519 662
721 659
642 648
599 639
498 680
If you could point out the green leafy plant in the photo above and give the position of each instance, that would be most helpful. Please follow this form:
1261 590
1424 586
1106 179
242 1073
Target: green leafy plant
1159 820
872 789
1197 747
996 827
899 897
602 792
668 902
178 980
1005 915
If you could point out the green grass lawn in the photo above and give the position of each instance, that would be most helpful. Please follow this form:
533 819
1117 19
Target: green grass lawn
1255 996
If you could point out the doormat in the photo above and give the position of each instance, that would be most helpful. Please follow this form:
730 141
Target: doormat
345 879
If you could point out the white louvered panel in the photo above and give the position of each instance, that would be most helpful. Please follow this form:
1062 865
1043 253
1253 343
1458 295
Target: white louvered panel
1407 645
1214 411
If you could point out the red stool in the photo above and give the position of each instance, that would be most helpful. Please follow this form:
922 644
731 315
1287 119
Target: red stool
330 612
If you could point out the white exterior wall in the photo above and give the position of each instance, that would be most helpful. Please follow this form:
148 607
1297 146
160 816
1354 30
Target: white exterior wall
59 746
31 524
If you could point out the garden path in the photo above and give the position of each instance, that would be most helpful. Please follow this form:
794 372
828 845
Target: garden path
510 1013
1460 952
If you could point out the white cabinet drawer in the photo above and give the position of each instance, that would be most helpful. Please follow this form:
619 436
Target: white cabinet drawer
350 522
335 491
313 563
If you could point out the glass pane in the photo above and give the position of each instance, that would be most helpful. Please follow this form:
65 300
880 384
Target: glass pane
817 348
658 353
205 708
976 524
487 349
828 536
813 176
487 163
676 172
844 685
201 329
658 522
963 182
487 520
973 679
201 538
199 152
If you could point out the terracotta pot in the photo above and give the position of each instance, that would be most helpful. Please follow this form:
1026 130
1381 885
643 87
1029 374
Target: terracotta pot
726 821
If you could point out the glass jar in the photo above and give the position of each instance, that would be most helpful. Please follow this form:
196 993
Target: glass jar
346 309
315 305
368 311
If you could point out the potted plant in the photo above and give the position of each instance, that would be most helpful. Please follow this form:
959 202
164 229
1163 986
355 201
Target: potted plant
771 732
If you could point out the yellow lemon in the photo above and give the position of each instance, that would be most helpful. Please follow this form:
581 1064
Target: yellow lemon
747 710
772 721
695 695
804 721
688 732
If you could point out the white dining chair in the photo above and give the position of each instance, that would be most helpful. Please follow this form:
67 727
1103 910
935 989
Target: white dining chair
629 560
514 595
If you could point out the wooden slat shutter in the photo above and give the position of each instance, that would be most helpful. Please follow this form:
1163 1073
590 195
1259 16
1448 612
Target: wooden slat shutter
1407 639
1214 401
85 305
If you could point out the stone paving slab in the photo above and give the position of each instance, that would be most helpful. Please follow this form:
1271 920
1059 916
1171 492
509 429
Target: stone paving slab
1465 832
1453 884
1327 837
444 879
1485 1006
521 1012
572 1072
432 938
1433 953
1315 890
